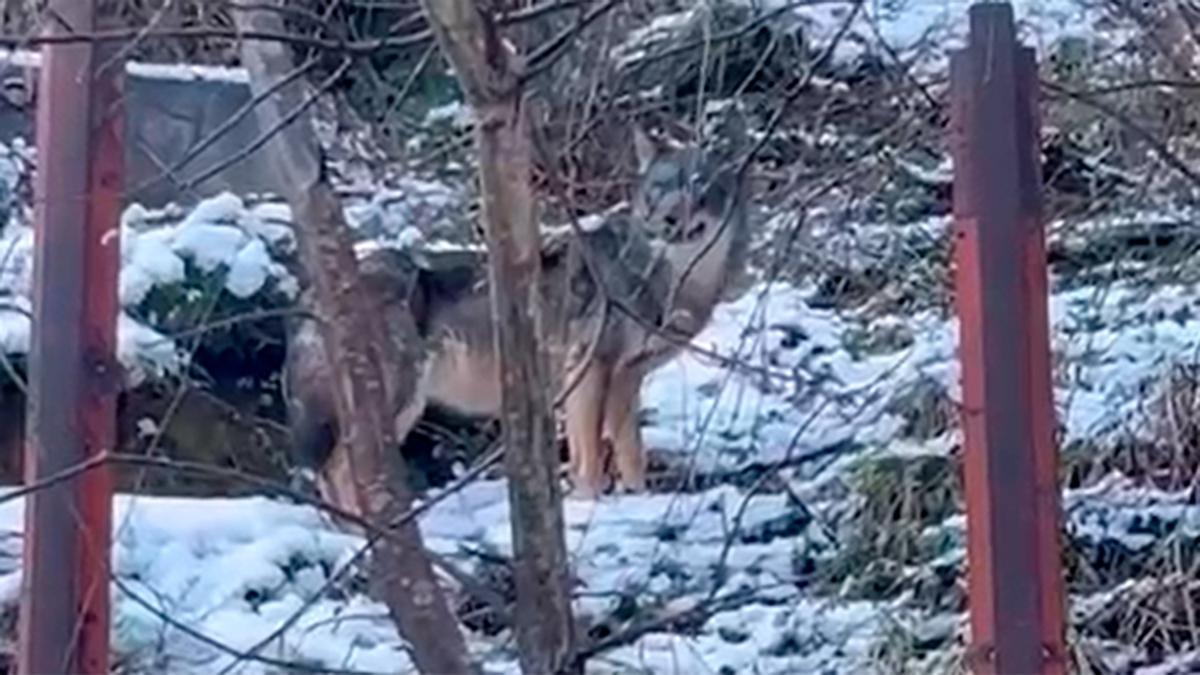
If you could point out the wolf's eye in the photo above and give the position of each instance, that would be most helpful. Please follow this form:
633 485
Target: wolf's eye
671 220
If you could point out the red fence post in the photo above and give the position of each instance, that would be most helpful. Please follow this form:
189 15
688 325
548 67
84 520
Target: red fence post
1013 510
73 373
98 405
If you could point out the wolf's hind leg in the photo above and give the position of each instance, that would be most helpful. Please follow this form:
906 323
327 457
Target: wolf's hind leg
621 407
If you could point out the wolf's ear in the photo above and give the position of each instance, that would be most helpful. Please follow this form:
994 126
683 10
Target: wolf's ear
646 148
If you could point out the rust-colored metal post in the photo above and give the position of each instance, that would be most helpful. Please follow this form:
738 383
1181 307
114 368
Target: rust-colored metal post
74 375
1013 510
103 374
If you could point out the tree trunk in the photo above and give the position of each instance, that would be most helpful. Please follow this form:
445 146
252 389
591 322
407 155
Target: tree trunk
467 34
376 375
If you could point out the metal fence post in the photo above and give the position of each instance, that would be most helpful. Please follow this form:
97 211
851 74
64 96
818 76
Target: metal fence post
73 372
1013 510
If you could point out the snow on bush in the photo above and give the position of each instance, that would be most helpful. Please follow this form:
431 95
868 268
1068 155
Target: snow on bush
223 245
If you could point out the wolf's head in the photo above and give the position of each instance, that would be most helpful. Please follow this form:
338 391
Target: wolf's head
685 192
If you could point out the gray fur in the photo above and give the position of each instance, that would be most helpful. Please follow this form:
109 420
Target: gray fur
665 266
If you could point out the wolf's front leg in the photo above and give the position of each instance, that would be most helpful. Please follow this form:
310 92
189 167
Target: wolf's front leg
584 411
621 408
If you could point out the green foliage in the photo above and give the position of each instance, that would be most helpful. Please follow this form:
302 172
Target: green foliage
200 307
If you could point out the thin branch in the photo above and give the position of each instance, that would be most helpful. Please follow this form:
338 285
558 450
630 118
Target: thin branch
733 33
55 478
374 374
1157 146
9 369
119 57
226 126
375 535
549 53
1153 83
691 616
244 317
266 136
287 666
375 532
406 89
349 47
365 47
772 125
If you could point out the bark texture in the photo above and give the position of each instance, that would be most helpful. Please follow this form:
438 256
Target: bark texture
488 71
376 374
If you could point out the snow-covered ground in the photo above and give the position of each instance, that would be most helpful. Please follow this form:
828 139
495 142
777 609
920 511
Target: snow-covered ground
930 26
202 581
230 572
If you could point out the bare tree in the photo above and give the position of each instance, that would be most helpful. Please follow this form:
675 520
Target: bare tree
488 70
373 410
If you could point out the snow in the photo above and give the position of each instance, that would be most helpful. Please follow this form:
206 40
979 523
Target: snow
835 638
944 22
148 260
241 242
14 328
797 350
662 27
208 243
1137 516
188 72
16 260
166 71
935 26
219 236
230 578
144 352
457 114
250 269
411 202
234 571
806 388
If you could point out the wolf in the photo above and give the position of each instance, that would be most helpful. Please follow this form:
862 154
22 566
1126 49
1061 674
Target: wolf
619 300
